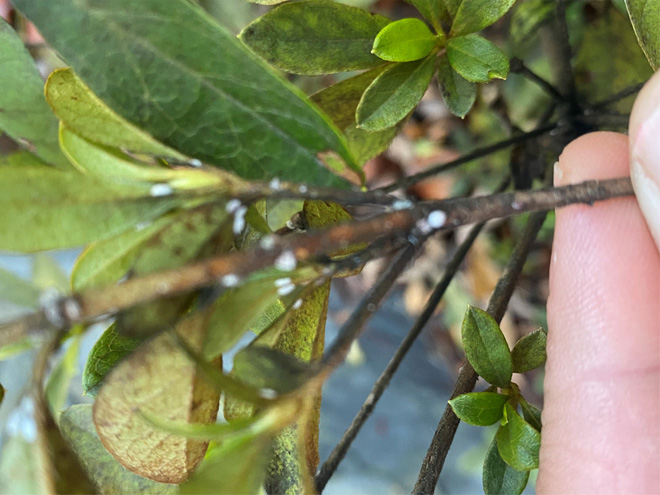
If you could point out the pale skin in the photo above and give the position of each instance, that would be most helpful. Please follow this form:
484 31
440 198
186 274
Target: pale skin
601 417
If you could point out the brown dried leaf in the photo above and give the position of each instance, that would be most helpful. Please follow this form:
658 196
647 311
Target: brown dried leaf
159 379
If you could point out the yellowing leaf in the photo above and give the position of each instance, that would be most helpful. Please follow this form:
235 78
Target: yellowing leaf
161 380
47 209
84 113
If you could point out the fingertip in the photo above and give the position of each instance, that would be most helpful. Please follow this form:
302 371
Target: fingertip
602 379
598 155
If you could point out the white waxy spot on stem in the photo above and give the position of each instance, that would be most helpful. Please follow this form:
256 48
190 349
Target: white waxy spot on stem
233 205
437 219
230 280
286 261
239 220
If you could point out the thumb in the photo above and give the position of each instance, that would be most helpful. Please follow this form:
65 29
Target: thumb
645 154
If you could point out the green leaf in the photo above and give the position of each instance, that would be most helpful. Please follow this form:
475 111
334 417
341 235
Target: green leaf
452 7
479 408
528 16
280 211
22 158
157 377
518 442
266 2
212 431
11 350
106 262
316 37
475 15
498 477
15 290
108 475
645 18
24 114
111 164
170 69
394 93
47 273
85 114
102 161
458 93
433 11
477 59
240 309
304 339
486 347
24 467
531 414
236 466
48 209
265 368
57 386
194 234
340 102
109 350
529 351
404 41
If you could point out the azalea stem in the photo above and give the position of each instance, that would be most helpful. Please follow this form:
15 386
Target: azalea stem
616 97
474 155
367 306
418 220
519 67
467 378
566 78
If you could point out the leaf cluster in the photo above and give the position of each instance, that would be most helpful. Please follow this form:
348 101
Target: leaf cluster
515 449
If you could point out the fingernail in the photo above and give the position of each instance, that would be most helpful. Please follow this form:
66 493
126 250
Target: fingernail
645 169
558 174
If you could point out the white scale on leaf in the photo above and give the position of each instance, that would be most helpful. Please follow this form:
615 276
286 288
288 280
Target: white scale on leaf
281 282
286 289
158 190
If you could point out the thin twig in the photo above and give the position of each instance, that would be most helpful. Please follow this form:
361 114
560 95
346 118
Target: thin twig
366 308
605 119
566 78
478 153
467 378
616 97
338 453
518 66
230 269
